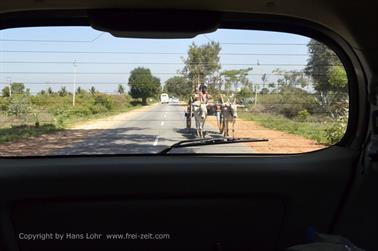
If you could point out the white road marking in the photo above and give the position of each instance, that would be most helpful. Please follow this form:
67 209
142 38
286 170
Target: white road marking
156 141
162 123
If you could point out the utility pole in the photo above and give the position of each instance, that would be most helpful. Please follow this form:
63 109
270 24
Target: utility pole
257 64
74 83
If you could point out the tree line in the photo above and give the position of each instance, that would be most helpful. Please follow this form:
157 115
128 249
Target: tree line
324 75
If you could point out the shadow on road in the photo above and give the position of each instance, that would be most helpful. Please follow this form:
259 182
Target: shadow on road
192 133
130 140
118 141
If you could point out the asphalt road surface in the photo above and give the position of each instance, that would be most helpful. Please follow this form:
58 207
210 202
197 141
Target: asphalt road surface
147 132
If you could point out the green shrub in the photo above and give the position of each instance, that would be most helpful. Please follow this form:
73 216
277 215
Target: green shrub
288 101
37 109
25 131
104 100
98 108
80 111
19 105
303 115
4 104
244 96
336 130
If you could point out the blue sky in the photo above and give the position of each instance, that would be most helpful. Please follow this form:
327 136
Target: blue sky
40 70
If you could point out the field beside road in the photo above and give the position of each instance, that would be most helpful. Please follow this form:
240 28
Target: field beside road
23 115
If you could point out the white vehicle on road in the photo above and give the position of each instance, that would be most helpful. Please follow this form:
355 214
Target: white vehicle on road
164 98
173 100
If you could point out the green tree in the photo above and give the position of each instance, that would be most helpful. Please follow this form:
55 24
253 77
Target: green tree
121 89
42 92
321 59
329 77
264 91
80 90
338 79
5 91
293 78
202 63
50 91
16 88
143 84
272 86
264 80
19 104
244 96
92 91
236 78
63 91
178 86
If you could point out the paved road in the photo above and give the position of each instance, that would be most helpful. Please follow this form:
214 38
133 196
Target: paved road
149 131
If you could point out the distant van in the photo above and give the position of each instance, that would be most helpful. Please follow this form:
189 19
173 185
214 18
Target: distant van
164 98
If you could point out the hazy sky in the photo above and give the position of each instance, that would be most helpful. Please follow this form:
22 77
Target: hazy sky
96 67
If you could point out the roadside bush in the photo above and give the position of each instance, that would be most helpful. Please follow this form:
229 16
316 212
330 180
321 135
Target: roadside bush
97 108
120 101
57 109
80 111
4 104
104 100
302 116
256 108
60 115
336 130
288 101
19 104
244 96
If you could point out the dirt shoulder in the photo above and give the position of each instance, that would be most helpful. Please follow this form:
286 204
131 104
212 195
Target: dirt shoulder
279 142
47 144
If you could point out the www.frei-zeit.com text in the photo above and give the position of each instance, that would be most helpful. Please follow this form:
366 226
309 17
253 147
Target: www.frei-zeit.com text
93 236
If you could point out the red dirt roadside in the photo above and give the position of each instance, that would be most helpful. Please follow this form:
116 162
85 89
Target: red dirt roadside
279 142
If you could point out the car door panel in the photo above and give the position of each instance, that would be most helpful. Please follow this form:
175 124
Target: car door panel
269 202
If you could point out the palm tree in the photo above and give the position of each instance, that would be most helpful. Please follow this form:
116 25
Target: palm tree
121 89
62 92
50 91
93 90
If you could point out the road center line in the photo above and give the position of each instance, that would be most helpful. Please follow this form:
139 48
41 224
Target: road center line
156 141
162 123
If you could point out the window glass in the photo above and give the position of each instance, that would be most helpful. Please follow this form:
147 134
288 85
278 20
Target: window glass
77 91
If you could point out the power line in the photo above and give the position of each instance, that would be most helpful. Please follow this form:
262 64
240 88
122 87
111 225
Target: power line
210 40
98 36
125 73
273 44
53 41
148 53
149 63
